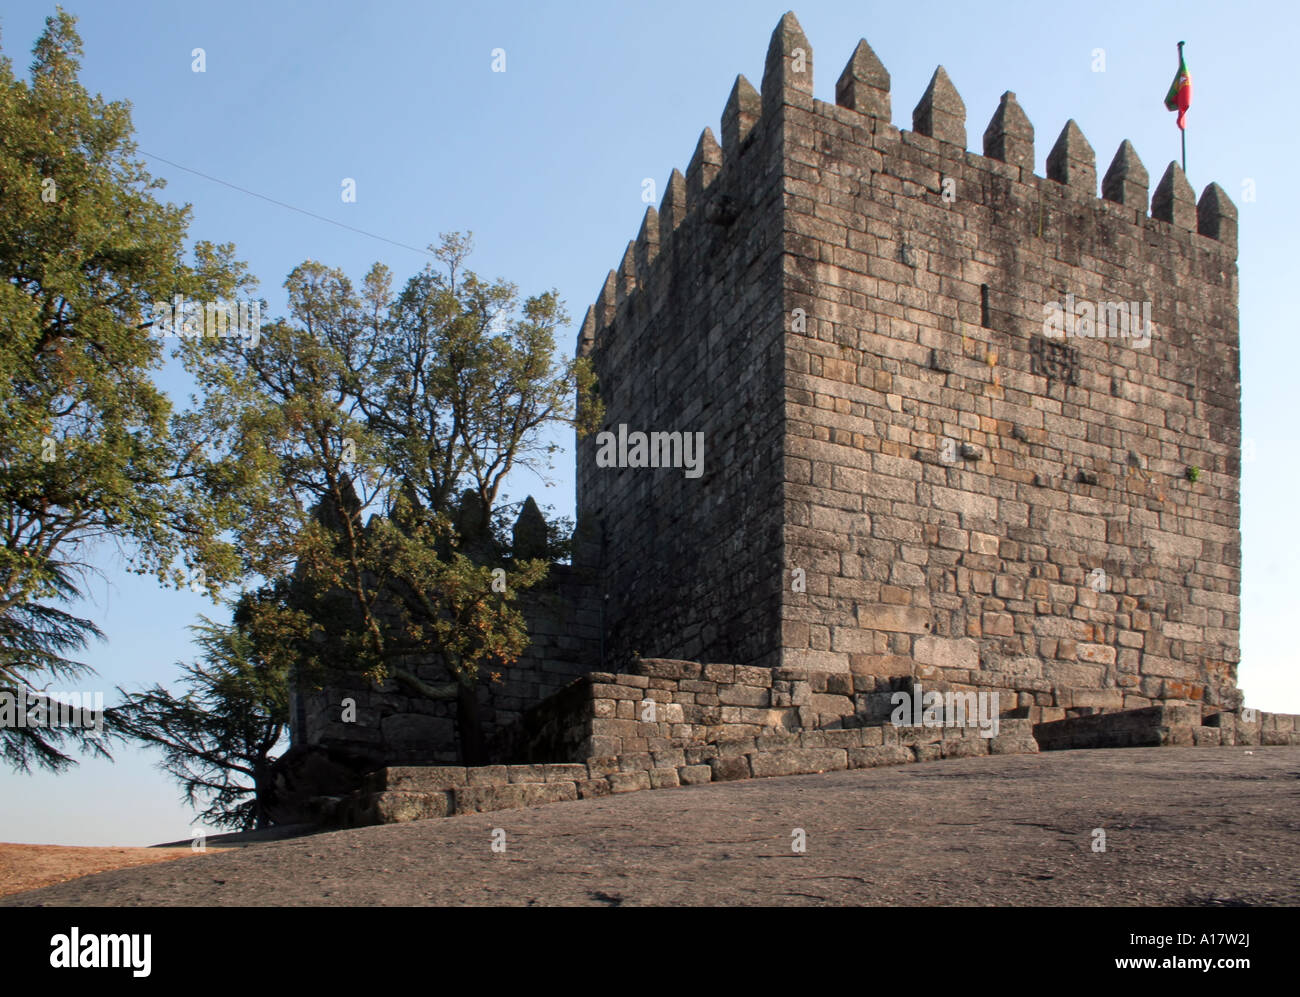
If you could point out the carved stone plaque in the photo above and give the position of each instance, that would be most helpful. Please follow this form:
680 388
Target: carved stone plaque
1055 361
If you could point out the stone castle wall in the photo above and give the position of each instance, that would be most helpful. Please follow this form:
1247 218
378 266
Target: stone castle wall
958 492
687 336
907 476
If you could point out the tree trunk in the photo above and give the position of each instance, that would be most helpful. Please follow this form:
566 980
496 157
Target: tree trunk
261 786
467 725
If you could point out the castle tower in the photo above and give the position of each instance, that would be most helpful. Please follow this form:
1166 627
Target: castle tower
958 420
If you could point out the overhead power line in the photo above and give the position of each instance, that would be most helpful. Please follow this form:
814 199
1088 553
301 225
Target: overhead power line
282 204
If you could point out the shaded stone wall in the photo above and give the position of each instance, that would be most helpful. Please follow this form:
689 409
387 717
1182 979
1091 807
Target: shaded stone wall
405 793
660 704
686 336
394 725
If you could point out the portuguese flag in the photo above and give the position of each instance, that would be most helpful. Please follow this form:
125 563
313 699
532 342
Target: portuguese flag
1179 97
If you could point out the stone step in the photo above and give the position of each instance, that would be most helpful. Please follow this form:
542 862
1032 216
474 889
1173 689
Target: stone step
1151 726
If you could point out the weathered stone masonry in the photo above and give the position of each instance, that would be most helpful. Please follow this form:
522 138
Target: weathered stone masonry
687 336
908 483
853 315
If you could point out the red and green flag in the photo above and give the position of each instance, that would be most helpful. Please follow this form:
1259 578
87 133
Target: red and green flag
1179 97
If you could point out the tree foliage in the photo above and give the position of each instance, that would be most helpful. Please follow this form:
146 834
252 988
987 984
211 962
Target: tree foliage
90 448
35 638
412 407
219 736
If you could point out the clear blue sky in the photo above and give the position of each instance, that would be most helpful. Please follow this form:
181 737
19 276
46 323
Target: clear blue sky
544 163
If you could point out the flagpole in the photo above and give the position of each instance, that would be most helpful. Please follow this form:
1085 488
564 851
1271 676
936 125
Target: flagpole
1183 131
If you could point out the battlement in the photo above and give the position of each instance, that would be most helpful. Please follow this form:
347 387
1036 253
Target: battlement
938 140
957 426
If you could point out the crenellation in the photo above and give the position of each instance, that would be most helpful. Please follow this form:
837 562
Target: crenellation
1126 181
647 245
606 303
1072 161
941 113
1174 201
864 84
744 105
587 332
626 281
788 69
1216 217
672 206
705 164
1009 137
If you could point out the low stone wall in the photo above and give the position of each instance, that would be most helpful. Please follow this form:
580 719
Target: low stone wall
662 703
670 723
1278 728
418 792
1249 727
1169 724
698 738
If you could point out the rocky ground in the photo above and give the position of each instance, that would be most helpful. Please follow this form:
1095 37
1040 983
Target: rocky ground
28 867
1183 826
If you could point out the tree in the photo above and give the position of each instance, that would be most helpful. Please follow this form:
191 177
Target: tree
219 736
414 407
35 637
90 449
453 604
